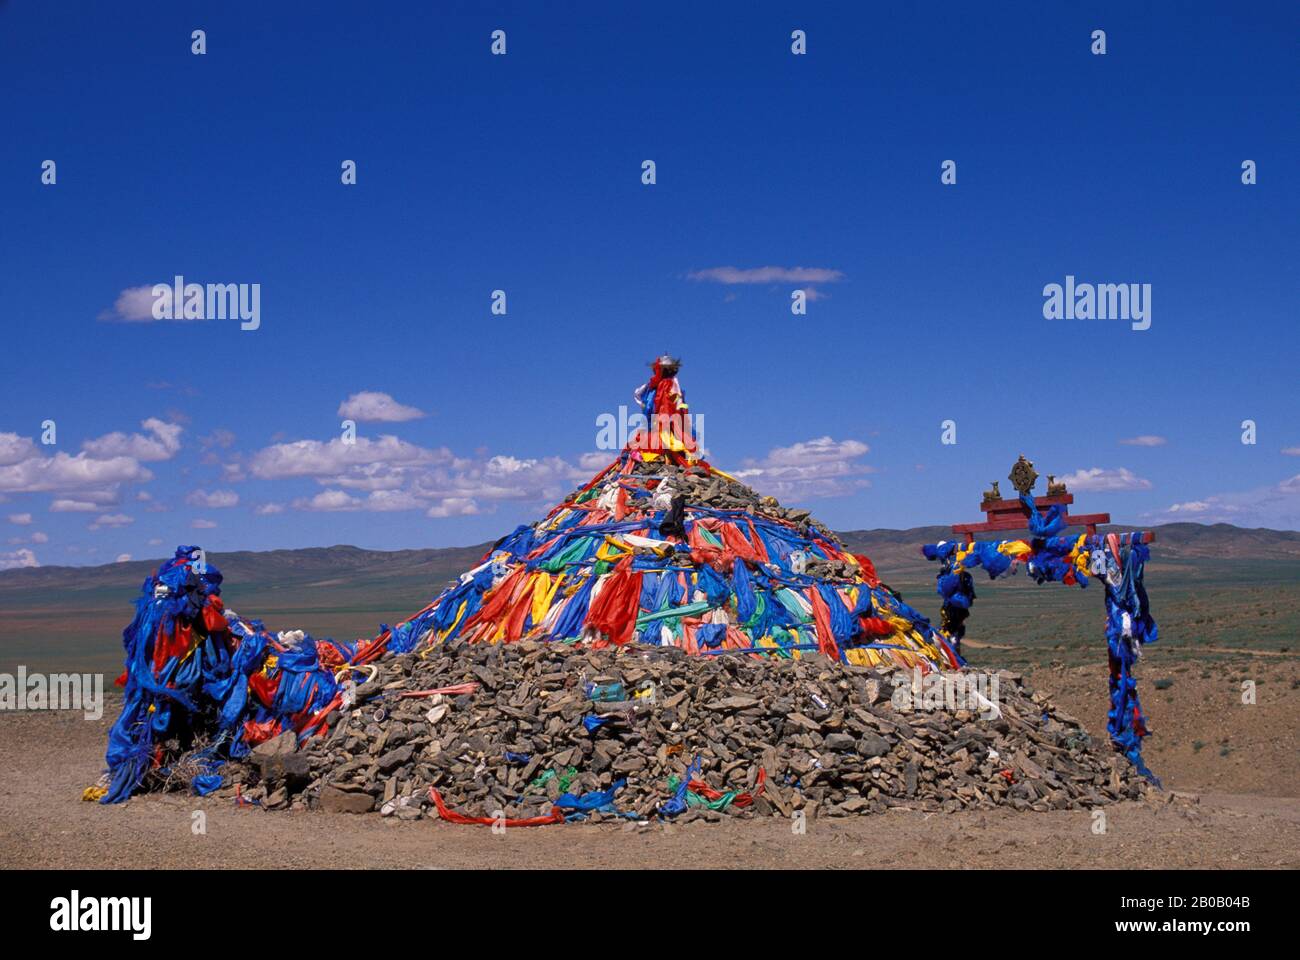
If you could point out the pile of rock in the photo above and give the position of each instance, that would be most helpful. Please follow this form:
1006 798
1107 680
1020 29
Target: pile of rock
548 719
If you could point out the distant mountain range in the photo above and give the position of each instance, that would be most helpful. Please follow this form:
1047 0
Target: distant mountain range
1174 542
893 551
312 566
58 618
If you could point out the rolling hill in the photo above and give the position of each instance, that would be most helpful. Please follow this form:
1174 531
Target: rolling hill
1210 586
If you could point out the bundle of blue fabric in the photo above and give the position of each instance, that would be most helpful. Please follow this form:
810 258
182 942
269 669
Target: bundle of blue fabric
1118 561
197 675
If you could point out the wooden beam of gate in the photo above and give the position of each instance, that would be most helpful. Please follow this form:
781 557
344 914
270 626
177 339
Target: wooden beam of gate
1018 523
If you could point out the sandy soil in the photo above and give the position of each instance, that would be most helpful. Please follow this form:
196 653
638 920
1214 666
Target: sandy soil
1232 803
1203 737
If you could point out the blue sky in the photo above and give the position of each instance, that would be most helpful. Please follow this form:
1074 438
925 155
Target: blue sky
523 173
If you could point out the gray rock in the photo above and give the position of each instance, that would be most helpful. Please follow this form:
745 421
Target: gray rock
395 758
294 769
825 734
871 745
334 800
841 742
286 742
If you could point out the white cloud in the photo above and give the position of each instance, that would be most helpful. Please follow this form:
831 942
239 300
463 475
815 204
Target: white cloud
122 558
396 475
329 501
1276 506
39 537
1211 509
201 524
820 450
133 305
17 559
73 506
1291 451
504 466
1145 440
497 478
267 509
378 501
453 507
371 476
64 472
164 443
214 500
21 519
1095 478
111 521
391 500
1191 506
15 449
314 458
106 497
373 406
822 467
735 275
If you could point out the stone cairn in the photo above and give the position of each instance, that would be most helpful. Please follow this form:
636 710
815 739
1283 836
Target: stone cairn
830 739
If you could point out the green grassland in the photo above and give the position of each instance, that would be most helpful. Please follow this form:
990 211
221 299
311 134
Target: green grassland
1211 595
1205 610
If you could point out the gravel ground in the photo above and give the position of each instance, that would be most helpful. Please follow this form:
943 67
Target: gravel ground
1248 814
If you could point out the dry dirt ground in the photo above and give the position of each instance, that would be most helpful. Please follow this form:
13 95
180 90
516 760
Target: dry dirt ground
1232 770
